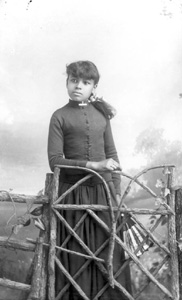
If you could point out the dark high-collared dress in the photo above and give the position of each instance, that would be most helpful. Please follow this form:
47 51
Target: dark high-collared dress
78 134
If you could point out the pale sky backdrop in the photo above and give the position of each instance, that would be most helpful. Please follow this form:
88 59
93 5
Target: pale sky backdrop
137 47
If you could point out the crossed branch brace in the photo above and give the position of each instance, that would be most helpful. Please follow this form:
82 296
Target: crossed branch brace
112 238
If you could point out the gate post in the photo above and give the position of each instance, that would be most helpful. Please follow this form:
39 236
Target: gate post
52 241
178 209
45 235
172 238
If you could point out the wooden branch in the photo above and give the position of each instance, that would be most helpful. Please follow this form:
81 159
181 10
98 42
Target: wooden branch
118 240
104 272
104 288
119 271
172 240
44 234
52 239
30 272
76 236
83 217
16 244
145 187
21 198
134 258
70 278
14 285
82 268
113 223
14 208
145 171
135 179
178 209
155 273
162 201
124 266
149 233
85 265
37 268
139 211
70 251
79 240
72 188
112 216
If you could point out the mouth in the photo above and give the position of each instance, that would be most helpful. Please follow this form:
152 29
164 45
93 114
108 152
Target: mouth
77 93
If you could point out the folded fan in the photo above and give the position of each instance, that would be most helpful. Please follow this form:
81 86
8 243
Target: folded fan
134 237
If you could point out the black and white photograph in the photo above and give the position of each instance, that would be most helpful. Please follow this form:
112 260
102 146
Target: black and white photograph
90 150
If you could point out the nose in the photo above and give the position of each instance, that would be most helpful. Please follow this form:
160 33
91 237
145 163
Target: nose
79 84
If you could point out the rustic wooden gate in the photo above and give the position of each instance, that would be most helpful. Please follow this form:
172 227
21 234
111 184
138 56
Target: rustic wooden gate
41 283
170 253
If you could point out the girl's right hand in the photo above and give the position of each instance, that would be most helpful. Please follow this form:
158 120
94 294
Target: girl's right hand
104 165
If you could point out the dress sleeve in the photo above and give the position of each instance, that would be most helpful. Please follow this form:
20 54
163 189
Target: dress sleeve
111 152
56 146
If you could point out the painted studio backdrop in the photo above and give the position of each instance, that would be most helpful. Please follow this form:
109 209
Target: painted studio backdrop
137 46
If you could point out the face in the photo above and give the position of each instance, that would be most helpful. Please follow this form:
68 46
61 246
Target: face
80 89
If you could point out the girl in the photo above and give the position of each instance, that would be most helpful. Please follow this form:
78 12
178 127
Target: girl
80 135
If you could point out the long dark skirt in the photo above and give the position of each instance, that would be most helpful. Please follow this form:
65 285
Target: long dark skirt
89 278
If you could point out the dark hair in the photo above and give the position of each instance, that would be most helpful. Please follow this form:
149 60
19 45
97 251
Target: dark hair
83 69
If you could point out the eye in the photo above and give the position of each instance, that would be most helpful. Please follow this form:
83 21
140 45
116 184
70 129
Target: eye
86 82
74 80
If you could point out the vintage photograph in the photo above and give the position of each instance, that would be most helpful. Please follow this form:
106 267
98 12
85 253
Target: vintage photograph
90 150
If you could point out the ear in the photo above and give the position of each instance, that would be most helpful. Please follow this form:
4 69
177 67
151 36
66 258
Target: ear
94 88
